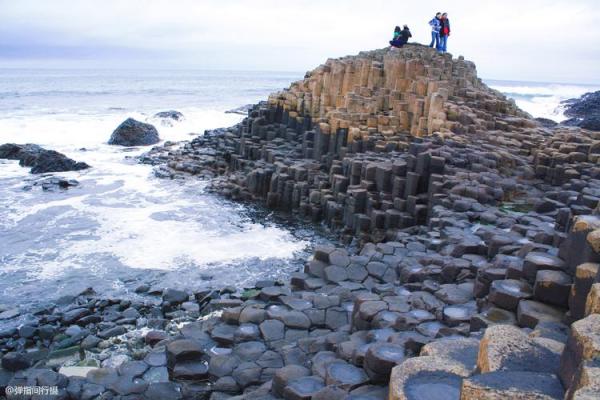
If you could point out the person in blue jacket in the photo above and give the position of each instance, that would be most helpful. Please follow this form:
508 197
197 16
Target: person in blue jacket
444 32
436 25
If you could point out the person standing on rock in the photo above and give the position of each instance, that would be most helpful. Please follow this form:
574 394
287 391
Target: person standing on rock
444 32
435 30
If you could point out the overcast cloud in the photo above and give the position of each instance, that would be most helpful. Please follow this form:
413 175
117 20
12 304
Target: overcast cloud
542 40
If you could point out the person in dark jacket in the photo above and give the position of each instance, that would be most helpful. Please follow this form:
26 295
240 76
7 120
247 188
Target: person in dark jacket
444 32
402 39
435 24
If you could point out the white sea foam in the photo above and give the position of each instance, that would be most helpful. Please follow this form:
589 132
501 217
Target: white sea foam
119 199
541 99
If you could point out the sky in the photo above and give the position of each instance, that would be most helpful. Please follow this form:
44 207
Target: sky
535 40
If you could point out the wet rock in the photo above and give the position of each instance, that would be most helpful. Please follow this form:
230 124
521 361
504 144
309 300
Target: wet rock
249 351
224 334
458 314
345 375
134 133
505 347
461 350
552 287
163 390
156 358
126 385
285 376
320 362
133 368
530 313
91 391
246 332
72 316
425 378
226 384
171 114
380 359
222 365
536 261
153 337
508 293
15 361
252 315
112 332
303 388
102 376
40 160
175 296
272 330
190 370
156 375
295 319
512 385
492 316
183 350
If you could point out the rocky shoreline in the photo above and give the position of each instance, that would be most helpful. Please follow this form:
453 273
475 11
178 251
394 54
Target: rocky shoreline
477 273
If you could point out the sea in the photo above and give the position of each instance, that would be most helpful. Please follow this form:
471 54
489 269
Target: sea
121 227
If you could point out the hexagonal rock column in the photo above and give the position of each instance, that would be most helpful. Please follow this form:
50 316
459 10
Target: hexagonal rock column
427 377
506 347
184 360
577 249
380 359
461 350
514 385
586 383
507 293
585 274
530 313
492 316
552 287
536 261
583 345
285 376
592 305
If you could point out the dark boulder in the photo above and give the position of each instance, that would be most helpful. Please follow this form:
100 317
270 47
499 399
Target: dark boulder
171 114
134 133
39 159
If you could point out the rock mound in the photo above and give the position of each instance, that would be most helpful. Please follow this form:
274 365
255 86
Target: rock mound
39 159
134 133
584 112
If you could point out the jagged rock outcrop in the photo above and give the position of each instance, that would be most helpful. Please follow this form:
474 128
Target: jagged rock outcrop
171 114
584 112
39 159
134 133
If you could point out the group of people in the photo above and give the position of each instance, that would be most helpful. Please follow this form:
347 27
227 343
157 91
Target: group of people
440 30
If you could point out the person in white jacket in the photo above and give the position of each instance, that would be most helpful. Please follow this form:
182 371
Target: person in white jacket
435 24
